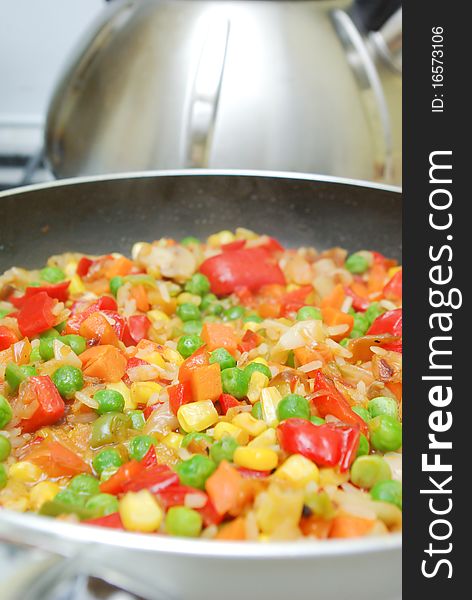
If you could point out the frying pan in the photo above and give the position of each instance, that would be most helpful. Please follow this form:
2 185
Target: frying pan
109 213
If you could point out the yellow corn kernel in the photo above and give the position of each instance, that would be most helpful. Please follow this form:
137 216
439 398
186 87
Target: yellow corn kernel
220 238
248 423
258 459
140 512
43 492
70 268
124 390
156 316
25 471
298 470
245 234
264 440
260 360
279 508
270 397
155 358
329 476
257 383
187 298
392 271
251 326
292 287
172 356
76 285
141 392
197 416
224 428
173 440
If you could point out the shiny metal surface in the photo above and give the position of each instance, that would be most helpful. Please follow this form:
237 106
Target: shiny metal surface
219 84
303 209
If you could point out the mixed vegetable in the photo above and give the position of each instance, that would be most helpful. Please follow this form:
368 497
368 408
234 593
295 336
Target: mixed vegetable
228 389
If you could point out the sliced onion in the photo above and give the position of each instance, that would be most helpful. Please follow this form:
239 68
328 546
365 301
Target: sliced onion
195 500
161 420
84 398
311 366
144 372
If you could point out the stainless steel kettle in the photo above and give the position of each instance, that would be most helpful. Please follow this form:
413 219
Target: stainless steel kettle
280 85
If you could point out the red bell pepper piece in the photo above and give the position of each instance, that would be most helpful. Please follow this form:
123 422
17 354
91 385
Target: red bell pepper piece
227 401
105 303
325 445
155 478
7 337
293 301
116 483
174 495
198 359
56 290
250 341
394 288
36 314
179 394
329 401
112 521
118 322
358 303
247 267
252 474
55 459
136 329
51 406
390 322
83 266
236 245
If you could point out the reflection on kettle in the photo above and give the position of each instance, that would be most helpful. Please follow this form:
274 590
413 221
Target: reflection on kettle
293 85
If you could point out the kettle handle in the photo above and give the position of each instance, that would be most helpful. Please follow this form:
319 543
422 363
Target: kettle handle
205 94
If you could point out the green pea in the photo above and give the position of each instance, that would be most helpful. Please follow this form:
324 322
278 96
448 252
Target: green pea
364 446
137 419
46 348
192 327
256 411
234 312
383 405
207 300
256 366
252 318
213 311
109 401
77 343
84 484
317 420
52 274
15 374
388 491
198 284
188 344
196 436
223 358
356 333
362 412
3 477
385 433
6 412
293 406
49 333
351 311
115 283
4 312
102 505
110 428
70 498
5 448
361 324
188 312
190 240
139 446
223 449
183 522
367 470
68 380
60 326
309 312
106 460
195 471
234 382
357 264
345 341
373 311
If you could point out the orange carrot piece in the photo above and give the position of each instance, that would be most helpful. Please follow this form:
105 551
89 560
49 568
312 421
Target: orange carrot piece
223 487
138 292
57 460
395 388
96 327
105 362
349 526
305 355
378 276
333 316
335 299
119 267
316 527
360 288
234 530
218 335
206 383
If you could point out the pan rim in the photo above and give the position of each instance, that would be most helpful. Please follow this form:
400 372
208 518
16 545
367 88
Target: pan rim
201 172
